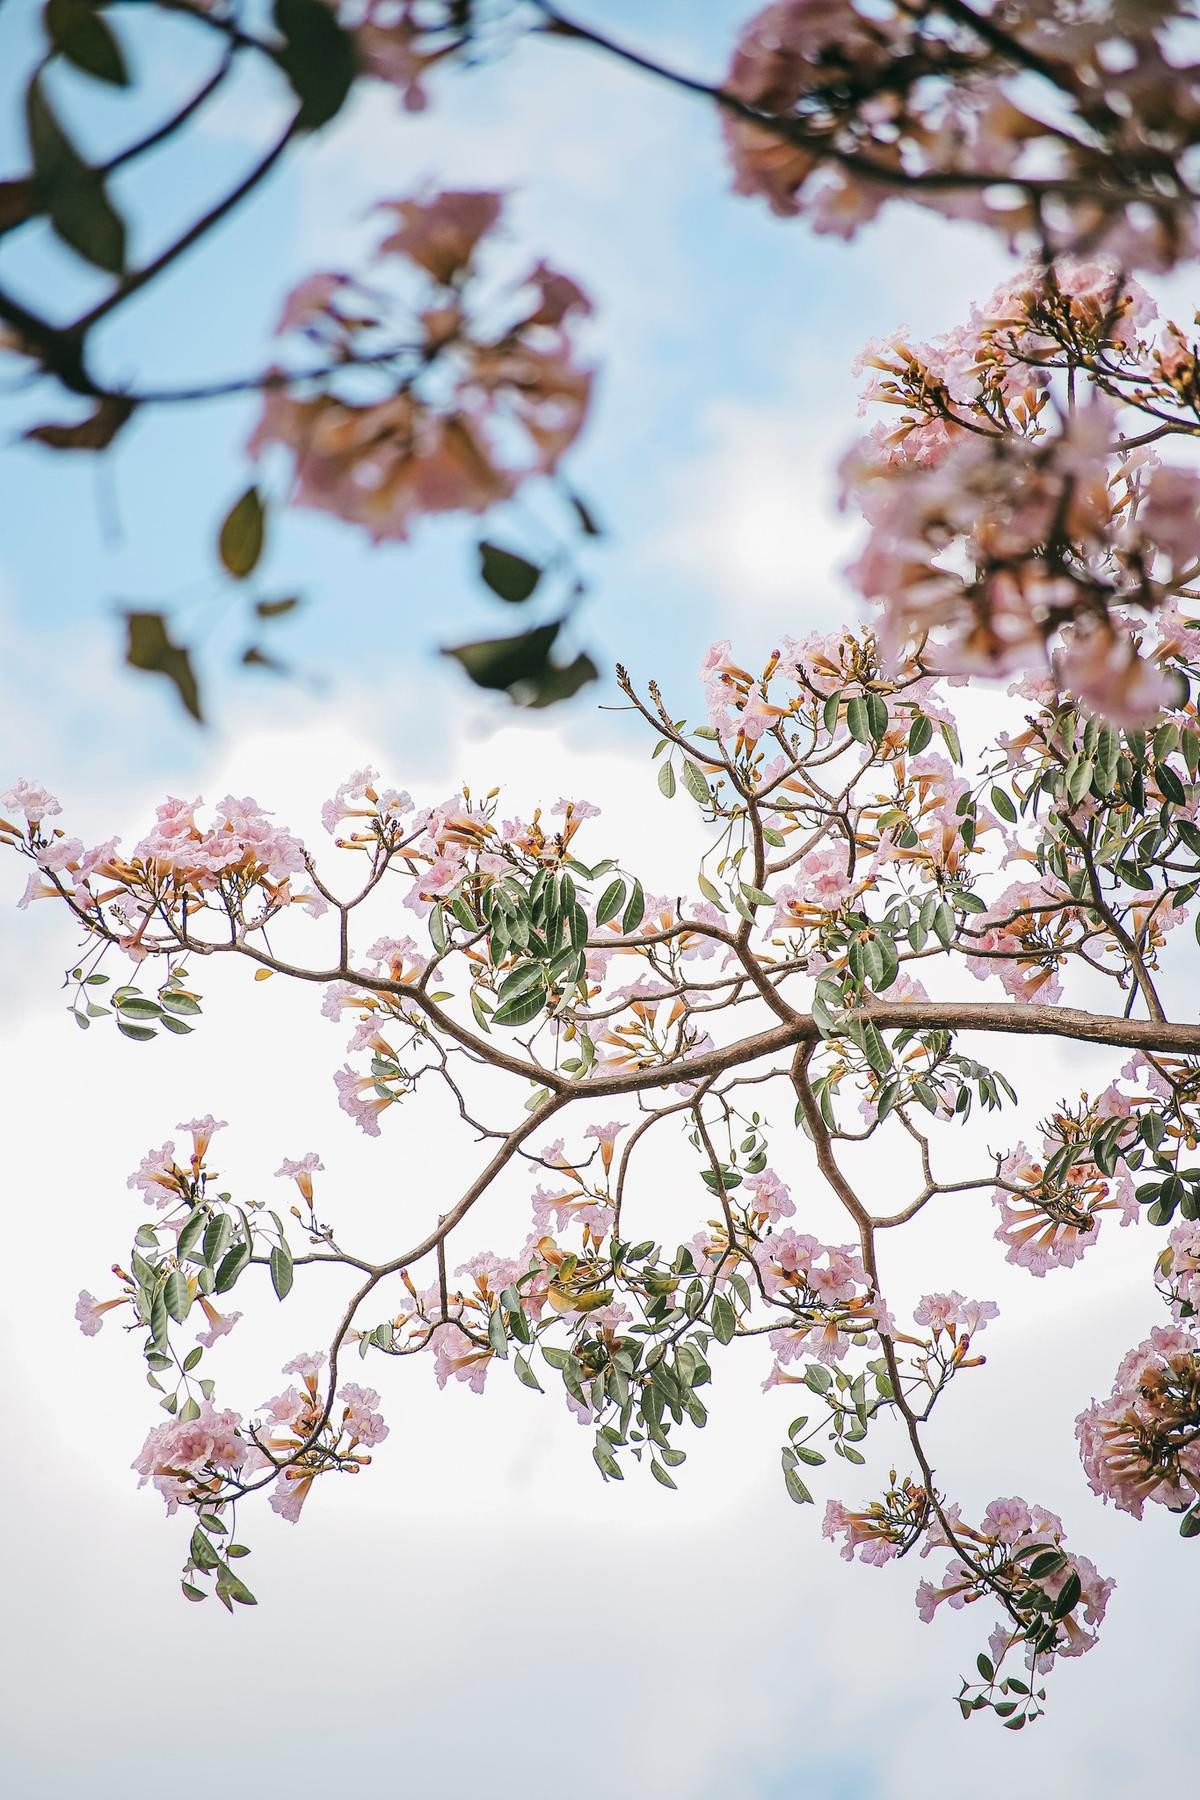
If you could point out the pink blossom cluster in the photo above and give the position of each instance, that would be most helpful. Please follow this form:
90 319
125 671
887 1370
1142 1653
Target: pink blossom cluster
826 1288
494 395
996 1557
953 1314
1143 1442
188 1459
1050 1224
1021 542
851 104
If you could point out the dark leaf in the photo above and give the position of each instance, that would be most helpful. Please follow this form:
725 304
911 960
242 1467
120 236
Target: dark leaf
18 202
557 684
318 57
71 193
510 576
96 432
275 609
501 664
77 32
586 517
241 539
151 648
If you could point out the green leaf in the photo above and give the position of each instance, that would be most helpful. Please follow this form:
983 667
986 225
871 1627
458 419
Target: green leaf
512 577
178 1003
319 58
525 1374
711 893
231 1267
503 663
666 781
159 1328
242 535
796 1488
71 193
136 1006
78 33
234 1587
141 1034
522 980
176 1027
1004 805
150 648
611 902
635 912
497 1336
216 1239
724 1319
951 740
695 783
191 1231
660 1474
858 721
1068 1596
202 1551
521 1010
919 734
175 1295
281 1270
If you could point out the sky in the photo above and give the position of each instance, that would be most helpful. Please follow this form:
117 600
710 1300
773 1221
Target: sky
480 1612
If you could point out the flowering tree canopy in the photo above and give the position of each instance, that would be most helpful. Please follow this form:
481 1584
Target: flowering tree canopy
429 387
807 991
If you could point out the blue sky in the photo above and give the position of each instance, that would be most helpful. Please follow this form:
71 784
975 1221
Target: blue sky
480 1612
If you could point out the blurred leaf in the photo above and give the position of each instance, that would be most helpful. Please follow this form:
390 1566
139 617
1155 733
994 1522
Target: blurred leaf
254 658
585 515
561 683
241 539
18 202
77 32
275 609
72 193
502 663
151 648
96 432
318 57
510 576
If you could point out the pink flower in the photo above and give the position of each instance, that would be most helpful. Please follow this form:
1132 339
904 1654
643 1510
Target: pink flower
352 1089
26 797
157 1178
90 1311
202 1131
219 1324
300 1171
440 234
579 810
185 1453
946 1312
455 1355
308 1367
362 1421
770 1196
